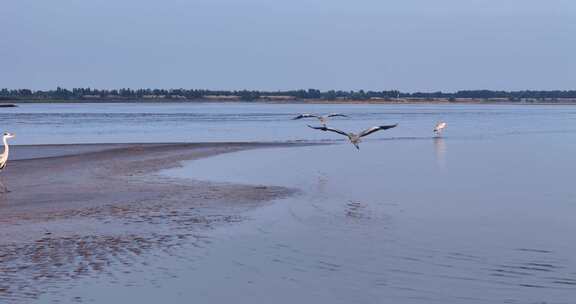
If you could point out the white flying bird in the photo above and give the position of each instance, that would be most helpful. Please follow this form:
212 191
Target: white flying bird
440 127
4 155
354 138
323 118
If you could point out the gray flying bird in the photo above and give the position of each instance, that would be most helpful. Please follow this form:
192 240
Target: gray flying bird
323 118
354 138
4 155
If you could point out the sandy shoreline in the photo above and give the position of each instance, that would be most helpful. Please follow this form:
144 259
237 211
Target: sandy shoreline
74 210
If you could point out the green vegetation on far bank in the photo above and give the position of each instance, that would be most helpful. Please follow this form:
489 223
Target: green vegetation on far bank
309 95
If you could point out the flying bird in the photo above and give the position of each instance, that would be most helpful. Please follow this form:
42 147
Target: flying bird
440 127
4 155
323 118
354 138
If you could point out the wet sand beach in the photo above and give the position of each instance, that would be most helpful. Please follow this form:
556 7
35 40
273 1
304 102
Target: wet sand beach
77 210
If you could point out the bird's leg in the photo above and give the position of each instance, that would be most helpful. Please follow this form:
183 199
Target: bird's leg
355 142
3 187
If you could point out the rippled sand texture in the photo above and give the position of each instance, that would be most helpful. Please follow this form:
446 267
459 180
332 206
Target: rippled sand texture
82 215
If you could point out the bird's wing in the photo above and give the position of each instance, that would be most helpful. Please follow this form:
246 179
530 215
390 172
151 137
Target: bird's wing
329 129
375 129
336 115
440 125
306 115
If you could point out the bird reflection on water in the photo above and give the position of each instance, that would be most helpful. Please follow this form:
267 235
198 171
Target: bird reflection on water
440 152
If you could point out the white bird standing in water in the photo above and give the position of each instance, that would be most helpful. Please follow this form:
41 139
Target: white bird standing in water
4 155
323 118
354 138
439 128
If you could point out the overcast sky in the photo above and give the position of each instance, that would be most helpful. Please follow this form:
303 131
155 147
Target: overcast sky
265 44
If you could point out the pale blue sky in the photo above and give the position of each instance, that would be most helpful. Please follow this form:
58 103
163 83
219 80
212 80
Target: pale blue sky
264 44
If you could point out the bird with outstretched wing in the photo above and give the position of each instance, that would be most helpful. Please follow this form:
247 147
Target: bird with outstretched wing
354 138
322 118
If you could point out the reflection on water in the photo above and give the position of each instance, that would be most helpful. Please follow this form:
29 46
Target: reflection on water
322 183
440 151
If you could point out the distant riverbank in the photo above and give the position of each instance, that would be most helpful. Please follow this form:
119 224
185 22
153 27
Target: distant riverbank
560 101
308 96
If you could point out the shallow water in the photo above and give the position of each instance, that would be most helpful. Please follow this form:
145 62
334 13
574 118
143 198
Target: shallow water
485 214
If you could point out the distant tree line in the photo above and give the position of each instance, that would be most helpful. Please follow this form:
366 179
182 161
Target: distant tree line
126 93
